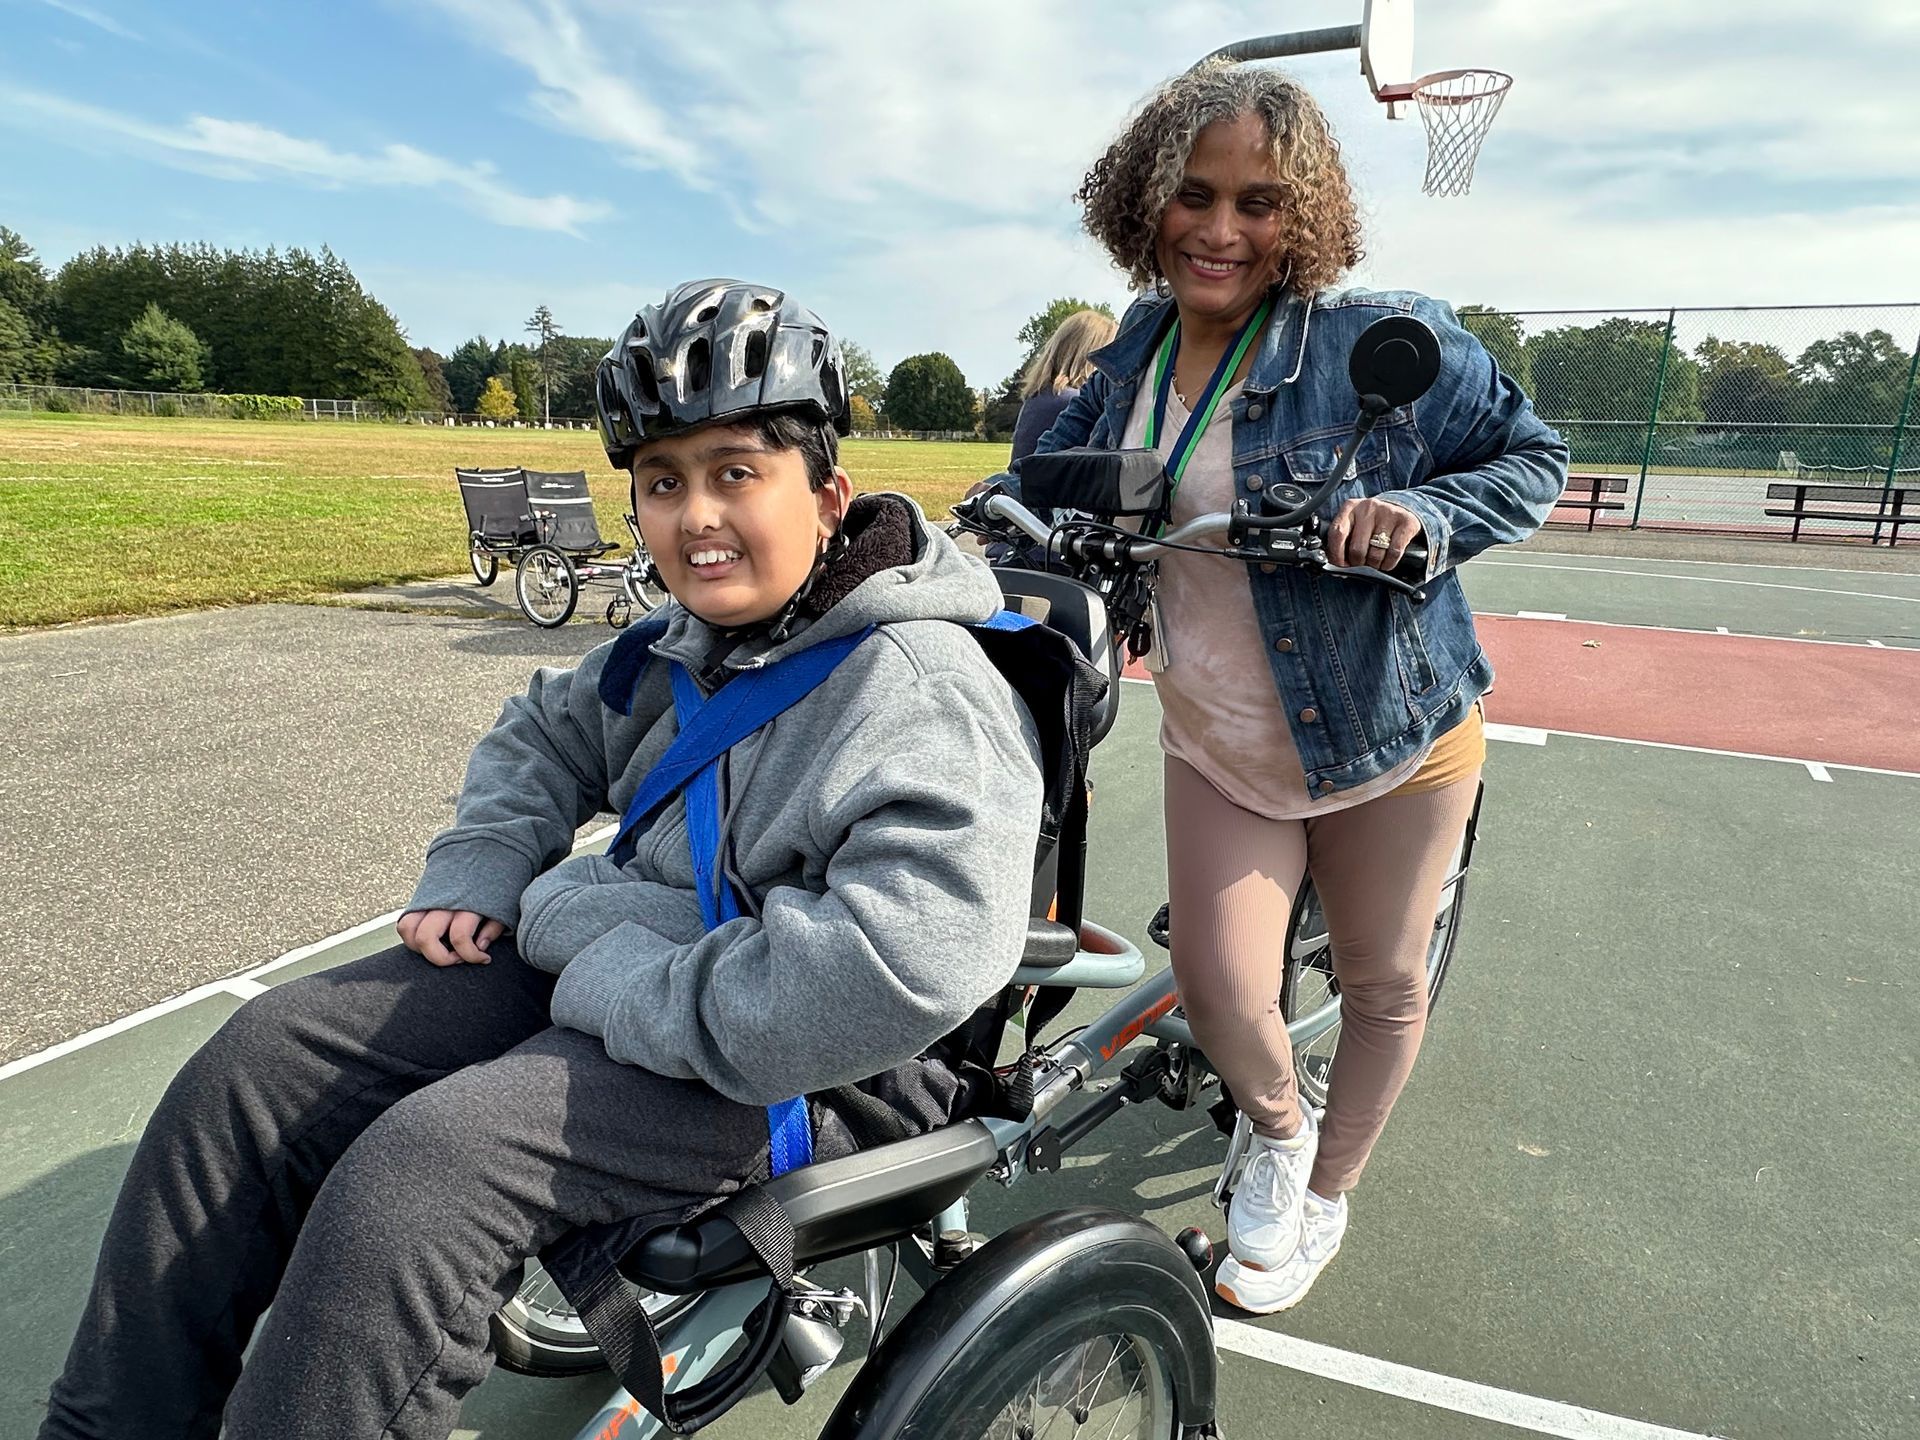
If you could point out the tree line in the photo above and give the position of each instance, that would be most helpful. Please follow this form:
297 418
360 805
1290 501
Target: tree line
295 323
1734 402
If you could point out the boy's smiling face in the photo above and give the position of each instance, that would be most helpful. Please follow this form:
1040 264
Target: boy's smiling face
731 521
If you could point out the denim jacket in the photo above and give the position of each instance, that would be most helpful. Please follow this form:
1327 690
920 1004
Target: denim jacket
1367 678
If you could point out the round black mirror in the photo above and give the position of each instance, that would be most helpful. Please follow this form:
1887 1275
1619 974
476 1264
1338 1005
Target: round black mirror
1396 358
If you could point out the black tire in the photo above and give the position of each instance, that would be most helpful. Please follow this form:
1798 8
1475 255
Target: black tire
1048 1320
539 1333
547 586
486 564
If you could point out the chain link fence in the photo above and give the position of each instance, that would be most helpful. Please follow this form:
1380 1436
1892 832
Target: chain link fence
1715 418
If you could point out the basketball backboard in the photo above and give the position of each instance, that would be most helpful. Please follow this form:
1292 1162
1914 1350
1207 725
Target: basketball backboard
1386 45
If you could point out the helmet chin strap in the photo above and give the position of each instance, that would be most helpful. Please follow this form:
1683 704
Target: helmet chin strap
780 626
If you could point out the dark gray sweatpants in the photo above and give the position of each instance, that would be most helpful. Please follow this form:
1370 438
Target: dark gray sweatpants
372 1150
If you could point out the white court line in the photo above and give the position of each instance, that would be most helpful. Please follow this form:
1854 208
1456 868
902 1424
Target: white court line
1681 629
1525 734
1696 579
1677 560
244 985
1442 1392
1819 772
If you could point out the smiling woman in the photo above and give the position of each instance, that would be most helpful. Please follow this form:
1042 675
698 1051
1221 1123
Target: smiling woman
1307 722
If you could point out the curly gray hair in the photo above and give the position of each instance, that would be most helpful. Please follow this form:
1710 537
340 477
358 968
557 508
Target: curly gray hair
1128 189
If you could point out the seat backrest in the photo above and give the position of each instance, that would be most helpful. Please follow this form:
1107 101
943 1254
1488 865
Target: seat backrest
496 504
563 495
1064 604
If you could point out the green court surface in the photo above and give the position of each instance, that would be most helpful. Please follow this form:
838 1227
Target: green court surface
1656 1162
1860 607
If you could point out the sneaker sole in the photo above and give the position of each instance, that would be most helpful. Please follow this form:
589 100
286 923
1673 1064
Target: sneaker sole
1224 1287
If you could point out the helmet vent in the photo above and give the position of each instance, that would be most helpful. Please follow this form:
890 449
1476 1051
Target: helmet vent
707 312
761 304
699 366
756 363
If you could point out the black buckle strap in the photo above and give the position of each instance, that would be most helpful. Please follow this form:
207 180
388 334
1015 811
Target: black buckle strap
620 1325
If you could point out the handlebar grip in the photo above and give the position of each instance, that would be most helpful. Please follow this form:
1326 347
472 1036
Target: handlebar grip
1413 565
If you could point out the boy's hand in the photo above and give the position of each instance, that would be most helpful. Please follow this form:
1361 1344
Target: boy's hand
449 937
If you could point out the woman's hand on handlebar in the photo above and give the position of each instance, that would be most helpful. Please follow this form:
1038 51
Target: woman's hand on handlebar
1350 537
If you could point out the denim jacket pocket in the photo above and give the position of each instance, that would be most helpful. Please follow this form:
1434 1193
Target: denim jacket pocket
1310 459
1417 673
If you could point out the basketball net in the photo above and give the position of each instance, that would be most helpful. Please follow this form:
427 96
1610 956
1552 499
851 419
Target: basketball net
1457 107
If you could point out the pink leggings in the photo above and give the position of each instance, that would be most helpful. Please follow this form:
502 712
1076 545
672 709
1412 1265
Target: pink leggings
1233 876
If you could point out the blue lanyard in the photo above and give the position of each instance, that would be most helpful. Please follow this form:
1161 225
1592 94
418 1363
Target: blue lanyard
1210 399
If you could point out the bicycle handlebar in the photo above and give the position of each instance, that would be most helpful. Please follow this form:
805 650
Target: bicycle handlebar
1256 539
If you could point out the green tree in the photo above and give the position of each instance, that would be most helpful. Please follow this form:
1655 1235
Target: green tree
433 371
1854 378
1039 328
542 327
928 392
23 281
1596 382
466 370
163 353
864 420
16 345
496 401
575 358
523 374
1742 382
863 376
1506 342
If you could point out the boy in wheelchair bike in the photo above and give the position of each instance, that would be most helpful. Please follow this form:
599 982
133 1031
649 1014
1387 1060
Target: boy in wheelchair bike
772 960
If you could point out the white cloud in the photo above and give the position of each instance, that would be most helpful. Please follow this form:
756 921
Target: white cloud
1648 153
92 17
243 150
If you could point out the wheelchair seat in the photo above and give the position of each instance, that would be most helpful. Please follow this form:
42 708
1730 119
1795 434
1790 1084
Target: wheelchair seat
838 1207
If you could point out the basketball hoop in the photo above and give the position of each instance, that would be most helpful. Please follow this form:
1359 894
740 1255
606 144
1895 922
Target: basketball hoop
1457 107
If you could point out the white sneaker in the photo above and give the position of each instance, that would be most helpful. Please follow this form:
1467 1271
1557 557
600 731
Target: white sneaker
1266 1289
1263 1224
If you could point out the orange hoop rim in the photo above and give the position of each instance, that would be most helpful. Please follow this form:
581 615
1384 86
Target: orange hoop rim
1420 90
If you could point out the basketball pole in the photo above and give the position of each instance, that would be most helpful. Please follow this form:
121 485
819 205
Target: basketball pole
1297 42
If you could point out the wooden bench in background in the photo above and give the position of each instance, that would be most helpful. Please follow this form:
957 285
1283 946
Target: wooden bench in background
1585 492
1874 505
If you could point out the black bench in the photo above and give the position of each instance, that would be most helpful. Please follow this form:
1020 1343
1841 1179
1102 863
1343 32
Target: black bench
1877 505
1584 492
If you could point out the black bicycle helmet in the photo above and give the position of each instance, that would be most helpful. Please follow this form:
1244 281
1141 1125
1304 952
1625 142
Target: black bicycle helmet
717 349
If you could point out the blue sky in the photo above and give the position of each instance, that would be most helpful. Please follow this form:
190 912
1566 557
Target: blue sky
907 168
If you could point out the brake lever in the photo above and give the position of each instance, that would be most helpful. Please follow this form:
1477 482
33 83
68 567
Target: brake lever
1415 593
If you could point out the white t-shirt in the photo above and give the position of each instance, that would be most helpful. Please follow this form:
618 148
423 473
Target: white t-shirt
1220 712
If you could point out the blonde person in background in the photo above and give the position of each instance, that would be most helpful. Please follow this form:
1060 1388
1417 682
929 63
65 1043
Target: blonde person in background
1055 374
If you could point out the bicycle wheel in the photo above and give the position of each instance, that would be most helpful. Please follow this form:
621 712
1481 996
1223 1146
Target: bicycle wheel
486 564
645 593
1085 1322
546 586
538 1332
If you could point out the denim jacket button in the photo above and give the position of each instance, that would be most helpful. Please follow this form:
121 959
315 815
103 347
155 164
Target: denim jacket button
1268 569
1283 644
1309 715
1256 410
1254 482
1326 787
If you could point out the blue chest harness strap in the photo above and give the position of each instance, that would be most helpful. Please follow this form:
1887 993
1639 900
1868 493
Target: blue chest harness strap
708 729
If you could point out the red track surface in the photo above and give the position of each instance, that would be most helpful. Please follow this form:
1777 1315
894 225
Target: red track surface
1832 704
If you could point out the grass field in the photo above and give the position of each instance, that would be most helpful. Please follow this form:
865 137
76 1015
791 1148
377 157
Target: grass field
105 516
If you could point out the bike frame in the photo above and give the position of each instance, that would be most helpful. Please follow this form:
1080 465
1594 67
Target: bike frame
695 1342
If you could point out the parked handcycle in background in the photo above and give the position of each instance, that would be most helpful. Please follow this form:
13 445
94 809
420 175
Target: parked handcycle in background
542 523
1080 1322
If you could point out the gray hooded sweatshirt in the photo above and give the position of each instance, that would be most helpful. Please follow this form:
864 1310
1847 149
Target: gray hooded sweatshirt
880 834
